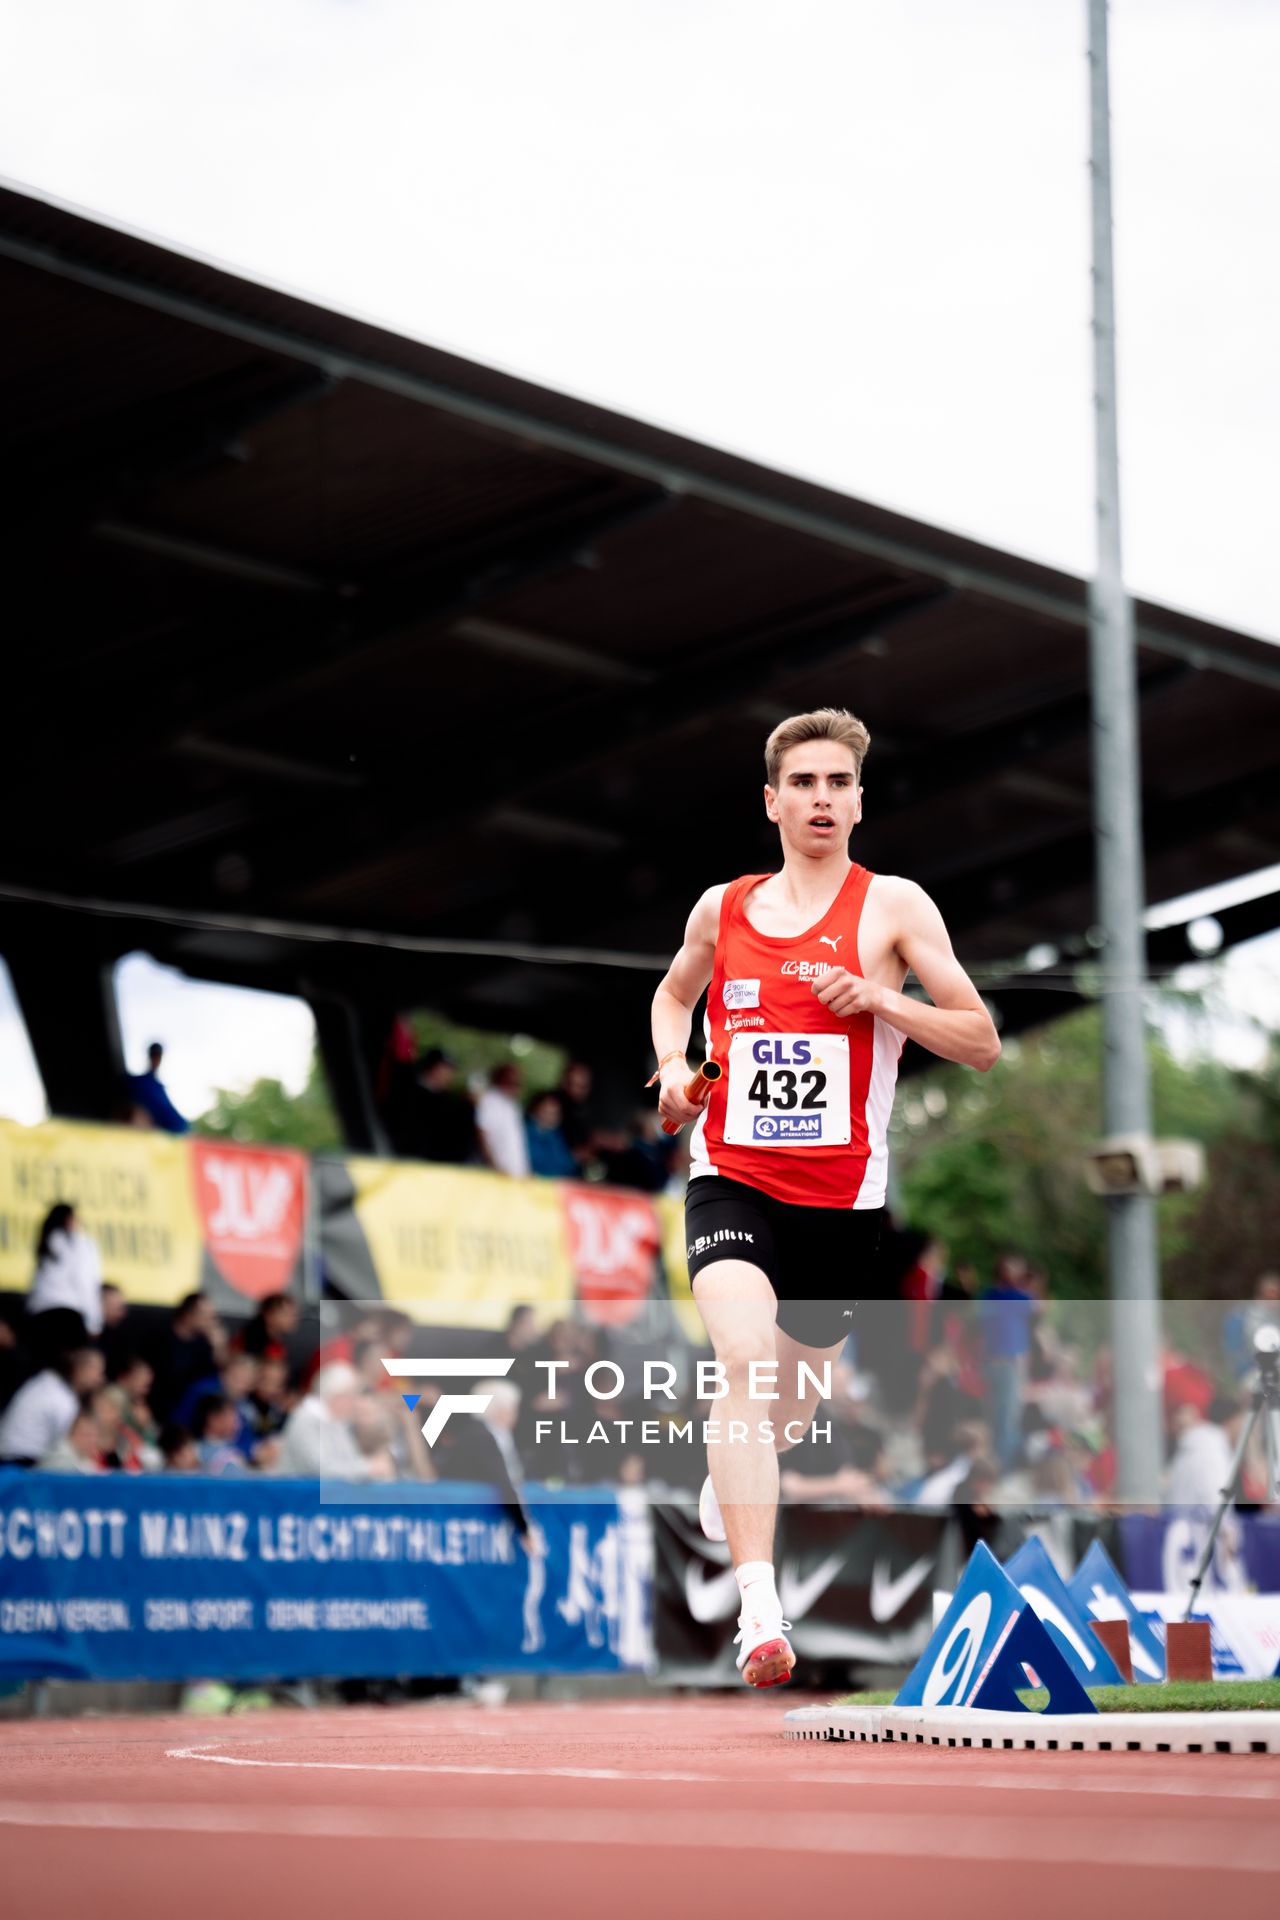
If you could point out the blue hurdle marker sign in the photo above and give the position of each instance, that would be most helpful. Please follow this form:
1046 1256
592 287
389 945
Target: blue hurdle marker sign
1100 1594
1043 1588
979 1650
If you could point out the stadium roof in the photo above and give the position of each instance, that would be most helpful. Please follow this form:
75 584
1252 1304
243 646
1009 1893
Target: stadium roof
325 631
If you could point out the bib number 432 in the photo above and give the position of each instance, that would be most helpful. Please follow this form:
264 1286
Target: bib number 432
788 1090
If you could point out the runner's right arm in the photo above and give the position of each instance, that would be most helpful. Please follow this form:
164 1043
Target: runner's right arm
674 1003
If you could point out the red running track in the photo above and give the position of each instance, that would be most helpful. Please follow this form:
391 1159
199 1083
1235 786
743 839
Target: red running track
627 1810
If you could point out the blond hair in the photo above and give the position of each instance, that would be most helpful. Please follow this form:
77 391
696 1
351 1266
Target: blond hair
826 723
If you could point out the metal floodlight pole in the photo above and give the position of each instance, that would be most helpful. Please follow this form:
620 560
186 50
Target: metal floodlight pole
1131 1226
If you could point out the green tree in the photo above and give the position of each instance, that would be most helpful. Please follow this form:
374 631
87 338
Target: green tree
267 1114
994 1161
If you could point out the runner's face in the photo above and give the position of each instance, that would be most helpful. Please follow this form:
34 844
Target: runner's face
817 802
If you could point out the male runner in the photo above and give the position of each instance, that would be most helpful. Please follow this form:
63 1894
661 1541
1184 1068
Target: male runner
788 1160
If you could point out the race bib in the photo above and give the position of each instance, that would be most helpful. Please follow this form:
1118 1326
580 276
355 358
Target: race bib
788 1090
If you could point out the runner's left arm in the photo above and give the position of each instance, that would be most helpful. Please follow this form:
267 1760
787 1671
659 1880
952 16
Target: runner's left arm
957 1026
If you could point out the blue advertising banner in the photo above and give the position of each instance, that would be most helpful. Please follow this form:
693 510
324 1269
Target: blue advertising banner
1161 1550
127 1577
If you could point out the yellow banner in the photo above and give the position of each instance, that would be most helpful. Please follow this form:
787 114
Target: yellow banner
131 1189
476 1242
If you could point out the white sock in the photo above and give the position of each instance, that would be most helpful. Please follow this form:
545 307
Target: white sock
755 1581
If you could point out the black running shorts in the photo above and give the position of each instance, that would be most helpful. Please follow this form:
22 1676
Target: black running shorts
820 1261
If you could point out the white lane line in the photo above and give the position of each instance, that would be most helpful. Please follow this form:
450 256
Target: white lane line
1217 1846
417 1766
1105 1783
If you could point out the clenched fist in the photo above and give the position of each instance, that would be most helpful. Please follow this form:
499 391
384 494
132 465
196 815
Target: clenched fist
844 993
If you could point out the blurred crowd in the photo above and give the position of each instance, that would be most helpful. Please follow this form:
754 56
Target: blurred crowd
432 1113
966 1391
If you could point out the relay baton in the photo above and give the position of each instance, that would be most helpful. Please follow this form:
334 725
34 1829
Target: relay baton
698 1090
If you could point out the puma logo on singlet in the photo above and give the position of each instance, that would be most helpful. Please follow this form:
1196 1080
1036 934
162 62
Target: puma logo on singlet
825 940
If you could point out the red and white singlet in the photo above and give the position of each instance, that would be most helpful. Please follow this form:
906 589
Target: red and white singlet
802 1111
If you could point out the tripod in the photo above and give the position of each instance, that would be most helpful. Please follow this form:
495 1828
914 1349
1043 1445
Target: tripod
1265 1406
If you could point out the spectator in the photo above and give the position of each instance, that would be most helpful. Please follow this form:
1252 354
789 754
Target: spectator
178 1450
148 1092
79 1447
642 1159
272 1328
549 1154
392 1331
187 1353
576 1121
40 1413
501 1123
113 1446
64 1306
234 1381
1201 1463
1007 1313
131 1381
432 1119
266 1407
1242 1325
215 1426
318 1439
115 1340
849 1467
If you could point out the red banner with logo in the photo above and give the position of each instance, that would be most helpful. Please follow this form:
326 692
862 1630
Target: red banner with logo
613 1247
252 1204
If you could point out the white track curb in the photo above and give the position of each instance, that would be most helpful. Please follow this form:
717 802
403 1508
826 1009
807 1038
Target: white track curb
834 1723
1039 1732
1083 1732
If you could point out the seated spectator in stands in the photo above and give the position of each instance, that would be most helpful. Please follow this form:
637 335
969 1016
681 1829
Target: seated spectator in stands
549 1154
116 1339
147 1091
387 1327
850 1467
64 1306
271 1329
642 1159
431 1119
948 1466
41 1412
500 1124
114 1445
138 1443
214 1425
79 1448
233 1381
178 1449
318 1438
576 1120
188 1352
265 1408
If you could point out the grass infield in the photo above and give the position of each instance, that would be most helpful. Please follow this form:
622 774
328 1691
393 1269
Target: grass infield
1182 1696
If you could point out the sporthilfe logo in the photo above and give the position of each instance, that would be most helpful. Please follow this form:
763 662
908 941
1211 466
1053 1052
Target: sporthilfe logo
448 1403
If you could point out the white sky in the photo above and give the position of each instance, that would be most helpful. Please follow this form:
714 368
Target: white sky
845 237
